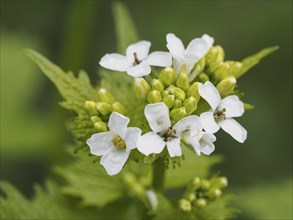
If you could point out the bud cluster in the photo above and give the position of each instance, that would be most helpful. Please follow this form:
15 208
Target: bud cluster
200 192
101 110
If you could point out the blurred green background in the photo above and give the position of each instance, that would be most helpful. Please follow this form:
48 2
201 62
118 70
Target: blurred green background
76 34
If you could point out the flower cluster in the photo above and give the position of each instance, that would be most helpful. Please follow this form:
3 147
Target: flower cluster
200 192
186 103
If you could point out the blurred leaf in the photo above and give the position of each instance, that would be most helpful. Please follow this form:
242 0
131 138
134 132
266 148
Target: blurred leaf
46 204
125 29
218 209
251 61
20 117
90 182
74 90
191 166
267 200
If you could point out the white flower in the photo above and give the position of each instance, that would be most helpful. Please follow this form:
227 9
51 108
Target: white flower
115 145
195 50
222 112
137 61
189 129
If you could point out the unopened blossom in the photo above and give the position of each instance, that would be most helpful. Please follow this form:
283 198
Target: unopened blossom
195 50
188 129
137 61
222 112
115 145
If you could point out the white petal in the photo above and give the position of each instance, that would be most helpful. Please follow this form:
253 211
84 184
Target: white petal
131 139
208 39
210 93
100 143
178 62
197 48
141 48
234 107
233 128
194 142
191 123
206 143
174 148
114 160
175 45
158 116
118 123
208 122
150 143
116 62
140 70
159 58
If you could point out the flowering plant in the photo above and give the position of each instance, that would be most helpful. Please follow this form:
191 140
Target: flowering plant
159 110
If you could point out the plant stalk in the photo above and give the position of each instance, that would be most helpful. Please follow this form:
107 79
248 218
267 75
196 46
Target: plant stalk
159 174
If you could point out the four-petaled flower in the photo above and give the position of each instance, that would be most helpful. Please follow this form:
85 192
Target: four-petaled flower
222 112
188 129
195 50
137 60
115 145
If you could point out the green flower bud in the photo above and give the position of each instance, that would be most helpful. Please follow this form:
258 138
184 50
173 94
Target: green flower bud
95 119
178 113
201 202
235 68
105 96
193 91
222 71
226 86
154 96
190 196
138 190
220 182
177 103
129 178
104 108
100 126
182 81
157 85
91 107
205 184
167 76
190 105
203 77
165 93
118 107
195 183
215 193
141 88
185 205
215 54
169 100
179 93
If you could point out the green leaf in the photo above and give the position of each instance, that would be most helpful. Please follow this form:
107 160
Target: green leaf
47 203
75 91
125 29
90 182
191 166
251 61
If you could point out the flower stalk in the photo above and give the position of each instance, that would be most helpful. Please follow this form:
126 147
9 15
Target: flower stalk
159 170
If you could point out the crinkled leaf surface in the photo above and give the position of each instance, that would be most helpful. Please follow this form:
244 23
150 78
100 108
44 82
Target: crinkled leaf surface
47 203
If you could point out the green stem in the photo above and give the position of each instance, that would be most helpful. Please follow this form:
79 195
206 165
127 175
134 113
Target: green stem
159 174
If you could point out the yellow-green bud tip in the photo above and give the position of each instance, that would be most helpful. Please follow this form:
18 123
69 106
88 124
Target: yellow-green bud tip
167 76
91 107
154 96
178 113
226 86
185 205
105 96
118 107
190 105
104 108
141 88
157 85
182 81
201 202
100 126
